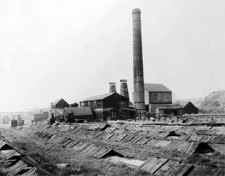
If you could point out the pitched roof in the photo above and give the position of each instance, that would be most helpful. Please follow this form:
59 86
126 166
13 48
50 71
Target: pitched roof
189 104
169 106
78 111
57 101
152 87
98 97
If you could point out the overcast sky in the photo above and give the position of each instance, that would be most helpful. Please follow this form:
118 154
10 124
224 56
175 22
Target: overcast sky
51 49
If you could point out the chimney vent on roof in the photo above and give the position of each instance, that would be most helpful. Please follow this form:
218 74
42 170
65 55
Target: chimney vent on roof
124 88
112 87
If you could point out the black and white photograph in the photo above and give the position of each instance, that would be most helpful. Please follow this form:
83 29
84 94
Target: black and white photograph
112 88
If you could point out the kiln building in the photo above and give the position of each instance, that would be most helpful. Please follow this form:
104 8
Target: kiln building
158 99
107 106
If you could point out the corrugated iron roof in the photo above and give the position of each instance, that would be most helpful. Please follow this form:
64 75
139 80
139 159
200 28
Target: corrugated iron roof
101 152
90 150
182 149
169 106
152 87
195 137
104 152
10 153
20 165
98 97
136 139
218 147
172 168
114 137
208 138
161 143
31 172
107 136
120 137
220 139
182 146
80 146
206 131
205 170
73 143
128 138
143 141
153 164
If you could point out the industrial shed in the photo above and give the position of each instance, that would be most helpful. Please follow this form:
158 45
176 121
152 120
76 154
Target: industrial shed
172 109
190 108
76 114
74 104
58 106
157 94
108 106
158 100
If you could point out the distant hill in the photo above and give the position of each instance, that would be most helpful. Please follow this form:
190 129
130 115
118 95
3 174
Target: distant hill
213 103
183 102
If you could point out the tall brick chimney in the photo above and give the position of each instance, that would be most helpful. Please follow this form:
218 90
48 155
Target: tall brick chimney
138 74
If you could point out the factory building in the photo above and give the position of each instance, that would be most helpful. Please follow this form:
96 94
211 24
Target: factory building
190 108
157 94
158 100
108 106
111 106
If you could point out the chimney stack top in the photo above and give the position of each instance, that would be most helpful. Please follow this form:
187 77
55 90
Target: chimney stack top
136 11
123 80
112 87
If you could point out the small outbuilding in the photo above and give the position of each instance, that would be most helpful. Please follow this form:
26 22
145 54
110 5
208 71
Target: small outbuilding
59 104
168 109
190 108
74 104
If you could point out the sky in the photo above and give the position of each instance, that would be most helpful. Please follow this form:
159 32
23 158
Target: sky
72 49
